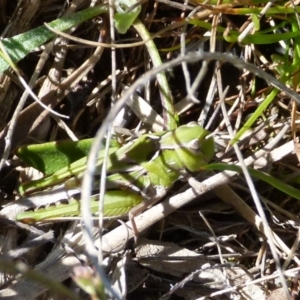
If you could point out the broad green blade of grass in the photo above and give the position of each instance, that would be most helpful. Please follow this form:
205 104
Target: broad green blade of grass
19 46
277 184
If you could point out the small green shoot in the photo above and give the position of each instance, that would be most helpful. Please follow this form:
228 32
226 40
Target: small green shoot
124 18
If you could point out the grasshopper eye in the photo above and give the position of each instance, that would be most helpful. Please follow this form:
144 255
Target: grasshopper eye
194 145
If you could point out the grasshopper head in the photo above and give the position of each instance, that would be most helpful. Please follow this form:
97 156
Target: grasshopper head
193 148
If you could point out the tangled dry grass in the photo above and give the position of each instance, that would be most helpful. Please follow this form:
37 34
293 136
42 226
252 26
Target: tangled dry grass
210 243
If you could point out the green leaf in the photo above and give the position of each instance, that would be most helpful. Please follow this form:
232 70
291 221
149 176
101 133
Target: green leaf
276 183
123 19
258 112
19 46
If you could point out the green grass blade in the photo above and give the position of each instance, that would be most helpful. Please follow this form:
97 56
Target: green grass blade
276 183
19 46
258 38
170 116
255 116
123 18
287 72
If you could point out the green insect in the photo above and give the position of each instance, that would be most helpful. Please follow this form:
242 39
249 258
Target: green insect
142 170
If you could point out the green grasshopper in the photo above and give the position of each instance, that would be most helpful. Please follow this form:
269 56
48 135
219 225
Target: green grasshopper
143 169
